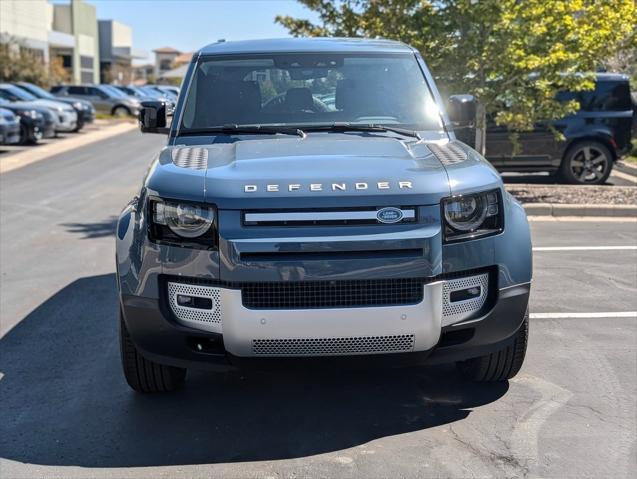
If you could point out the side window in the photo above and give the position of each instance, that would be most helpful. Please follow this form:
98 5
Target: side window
607 96
7 95
76 90
611 96
92 91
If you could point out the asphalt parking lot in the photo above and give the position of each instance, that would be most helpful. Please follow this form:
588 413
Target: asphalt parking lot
67 412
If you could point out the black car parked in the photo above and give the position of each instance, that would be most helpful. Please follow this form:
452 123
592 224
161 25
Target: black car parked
596 136
84 109
9 127
36 122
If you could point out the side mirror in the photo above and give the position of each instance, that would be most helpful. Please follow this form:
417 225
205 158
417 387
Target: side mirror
462 110
152 117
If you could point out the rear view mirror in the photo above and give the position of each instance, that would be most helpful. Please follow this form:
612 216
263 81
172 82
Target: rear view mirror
152 117
462 110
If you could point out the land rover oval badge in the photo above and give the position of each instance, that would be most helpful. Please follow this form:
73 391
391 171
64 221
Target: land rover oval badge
389 215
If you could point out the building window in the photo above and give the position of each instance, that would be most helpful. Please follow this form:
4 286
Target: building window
165 65
86 62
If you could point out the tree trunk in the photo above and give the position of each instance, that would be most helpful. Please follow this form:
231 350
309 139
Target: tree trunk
481 129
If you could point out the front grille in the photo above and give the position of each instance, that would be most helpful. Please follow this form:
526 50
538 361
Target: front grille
333 346
330 217
345 293
332 294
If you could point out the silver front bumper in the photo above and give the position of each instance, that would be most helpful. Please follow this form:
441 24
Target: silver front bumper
67 121
327 332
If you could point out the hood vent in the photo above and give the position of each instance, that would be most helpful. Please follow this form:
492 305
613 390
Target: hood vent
193 158
448 154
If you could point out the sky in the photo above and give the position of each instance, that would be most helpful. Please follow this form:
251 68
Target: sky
188 25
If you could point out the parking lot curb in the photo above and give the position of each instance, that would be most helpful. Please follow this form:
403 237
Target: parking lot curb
38 153
559 210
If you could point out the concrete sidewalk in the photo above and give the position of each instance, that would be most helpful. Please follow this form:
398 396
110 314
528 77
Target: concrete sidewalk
575 210
11 161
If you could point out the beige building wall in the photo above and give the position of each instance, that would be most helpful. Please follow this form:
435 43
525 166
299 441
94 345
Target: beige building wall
30 19
28 22
122 35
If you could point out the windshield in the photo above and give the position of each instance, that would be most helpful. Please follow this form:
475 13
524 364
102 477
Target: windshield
19 93
113 91
40 92
125 90
310 89
149 92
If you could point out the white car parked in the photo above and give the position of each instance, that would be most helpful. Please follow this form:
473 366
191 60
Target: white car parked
65 114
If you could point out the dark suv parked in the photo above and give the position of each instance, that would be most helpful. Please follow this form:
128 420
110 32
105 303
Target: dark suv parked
597 135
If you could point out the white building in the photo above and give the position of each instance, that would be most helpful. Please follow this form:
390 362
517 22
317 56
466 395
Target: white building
70 32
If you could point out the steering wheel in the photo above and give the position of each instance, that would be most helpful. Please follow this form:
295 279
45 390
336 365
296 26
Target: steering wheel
277 105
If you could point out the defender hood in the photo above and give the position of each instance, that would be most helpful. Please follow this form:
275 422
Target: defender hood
321 170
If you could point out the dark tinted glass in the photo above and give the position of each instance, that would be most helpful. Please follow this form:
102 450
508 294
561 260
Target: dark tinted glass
37 91
14 93
310 89
607 96
77 90
96 92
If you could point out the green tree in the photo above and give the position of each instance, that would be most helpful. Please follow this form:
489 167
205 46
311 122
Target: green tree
18 63
512 55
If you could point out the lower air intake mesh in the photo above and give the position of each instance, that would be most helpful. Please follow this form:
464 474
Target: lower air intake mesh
332 294
333 346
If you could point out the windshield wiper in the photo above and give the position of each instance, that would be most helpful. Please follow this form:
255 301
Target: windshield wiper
248 129
343 127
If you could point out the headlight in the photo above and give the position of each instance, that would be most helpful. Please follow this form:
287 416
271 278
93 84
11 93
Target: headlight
78 106
472 216
29 113
183 223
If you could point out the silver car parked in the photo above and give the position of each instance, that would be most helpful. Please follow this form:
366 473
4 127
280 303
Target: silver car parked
109 101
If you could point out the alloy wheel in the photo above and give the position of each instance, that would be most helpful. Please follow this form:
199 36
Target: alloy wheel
589 164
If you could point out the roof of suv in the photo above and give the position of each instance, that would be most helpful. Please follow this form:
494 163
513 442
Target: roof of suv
603 76
299 45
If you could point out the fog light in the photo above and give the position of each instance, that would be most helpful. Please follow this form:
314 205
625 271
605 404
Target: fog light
465 294
194 302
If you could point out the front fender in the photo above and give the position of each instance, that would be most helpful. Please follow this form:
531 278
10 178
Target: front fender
513 248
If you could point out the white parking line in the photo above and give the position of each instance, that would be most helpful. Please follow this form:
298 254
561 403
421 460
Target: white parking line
624 176
612 314
583 248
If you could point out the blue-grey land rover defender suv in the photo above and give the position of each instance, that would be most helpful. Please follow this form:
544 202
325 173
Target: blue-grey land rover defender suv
313 206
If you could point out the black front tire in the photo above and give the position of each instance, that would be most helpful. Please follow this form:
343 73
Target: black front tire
500 365
28 136
587 163
143 375
121 112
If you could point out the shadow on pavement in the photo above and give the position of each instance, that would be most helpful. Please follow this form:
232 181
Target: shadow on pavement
65 402
93 230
